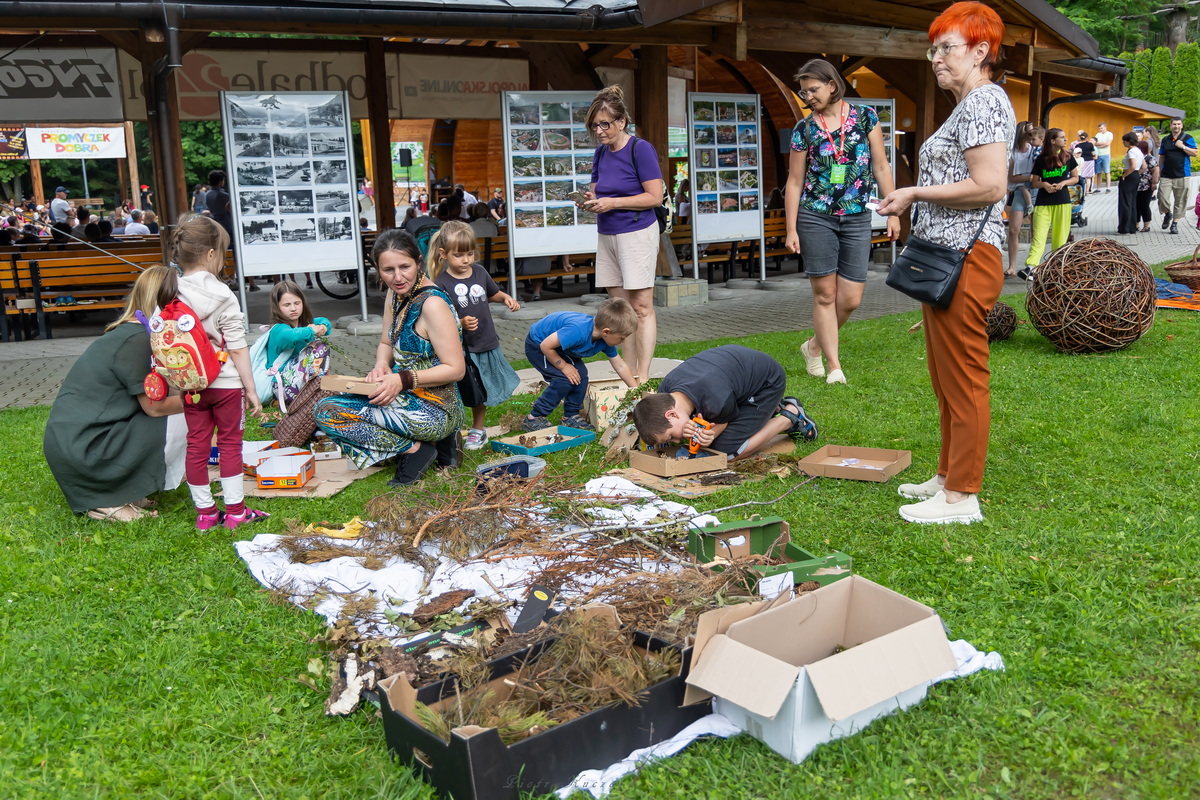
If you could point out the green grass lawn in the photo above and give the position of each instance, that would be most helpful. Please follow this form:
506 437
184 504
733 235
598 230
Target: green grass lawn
143 660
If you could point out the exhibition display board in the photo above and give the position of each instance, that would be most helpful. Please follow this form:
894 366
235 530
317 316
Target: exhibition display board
548 154
725 159
291 183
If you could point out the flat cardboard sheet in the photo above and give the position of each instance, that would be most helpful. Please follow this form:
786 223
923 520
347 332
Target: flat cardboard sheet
331 478
687 486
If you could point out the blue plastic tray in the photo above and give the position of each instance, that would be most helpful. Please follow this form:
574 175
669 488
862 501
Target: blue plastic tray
575 437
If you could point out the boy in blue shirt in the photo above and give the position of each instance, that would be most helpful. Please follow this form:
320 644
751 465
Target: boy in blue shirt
557 345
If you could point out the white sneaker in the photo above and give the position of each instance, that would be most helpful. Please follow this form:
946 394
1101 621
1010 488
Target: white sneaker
813 364
837 376
938 511
920 491
475 440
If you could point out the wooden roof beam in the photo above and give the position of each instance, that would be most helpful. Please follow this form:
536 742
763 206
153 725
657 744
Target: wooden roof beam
851 40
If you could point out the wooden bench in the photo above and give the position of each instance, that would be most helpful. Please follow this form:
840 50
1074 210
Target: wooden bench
494 252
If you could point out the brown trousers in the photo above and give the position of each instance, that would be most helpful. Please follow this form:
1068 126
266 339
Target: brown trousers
956 346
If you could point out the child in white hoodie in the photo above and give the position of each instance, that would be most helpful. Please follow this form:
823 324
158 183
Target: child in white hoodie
198 248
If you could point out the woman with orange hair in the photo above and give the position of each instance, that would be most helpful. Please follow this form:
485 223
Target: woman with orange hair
960 184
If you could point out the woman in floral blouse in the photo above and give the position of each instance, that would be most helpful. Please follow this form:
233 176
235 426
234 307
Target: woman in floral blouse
837 161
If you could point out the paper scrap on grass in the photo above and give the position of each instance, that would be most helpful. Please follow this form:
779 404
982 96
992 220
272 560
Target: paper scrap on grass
599 782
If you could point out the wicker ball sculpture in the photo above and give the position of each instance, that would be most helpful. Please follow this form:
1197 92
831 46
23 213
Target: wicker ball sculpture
1092 296
1001 322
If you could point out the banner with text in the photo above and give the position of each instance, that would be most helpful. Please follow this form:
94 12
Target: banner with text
12 142
93 142
418 87
60 85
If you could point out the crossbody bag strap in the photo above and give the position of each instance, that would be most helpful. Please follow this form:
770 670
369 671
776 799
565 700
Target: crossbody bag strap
978 231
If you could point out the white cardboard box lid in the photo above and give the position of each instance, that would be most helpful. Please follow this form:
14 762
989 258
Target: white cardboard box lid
874 671
744 675
283 466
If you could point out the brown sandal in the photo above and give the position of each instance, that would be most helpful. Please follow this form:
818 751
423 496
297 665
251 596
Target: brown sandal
126 513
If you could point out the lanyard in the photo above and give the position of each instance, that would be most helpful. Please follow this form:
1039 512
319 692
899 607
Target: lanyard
839 150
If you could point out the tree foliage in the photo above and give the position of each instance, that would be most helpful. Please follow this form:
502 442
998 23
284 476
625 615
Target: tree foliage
1161 77
1102 20
1186 82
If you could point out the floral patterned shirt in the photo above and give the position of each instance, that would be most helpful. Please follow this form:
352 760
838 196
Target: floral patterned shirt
821 194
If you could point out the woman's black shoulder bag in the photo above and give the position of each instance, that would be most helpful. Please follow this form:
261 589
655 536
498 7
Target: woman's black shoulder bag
928 271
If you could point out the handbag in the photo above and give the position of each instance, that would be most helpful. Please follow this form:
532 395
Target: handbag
928 271
471 387
298 424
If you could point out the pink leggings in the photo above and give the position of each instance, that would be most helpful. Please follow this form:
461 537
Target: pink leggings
224 410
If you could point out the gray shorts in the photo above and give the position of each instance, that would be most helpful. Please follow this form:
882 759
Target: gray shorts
830 244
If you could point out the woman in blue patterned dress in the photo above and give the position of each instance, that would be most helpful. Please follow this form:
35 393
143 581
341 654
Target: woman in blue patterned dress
837 160
418 364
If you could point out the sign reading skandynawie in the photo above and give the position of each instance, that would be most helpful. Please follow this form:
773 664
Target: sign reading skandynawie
60 85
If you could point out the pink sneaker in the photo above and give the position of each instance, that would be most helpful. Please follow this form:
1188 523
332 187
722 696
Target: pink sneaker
250 515
206 521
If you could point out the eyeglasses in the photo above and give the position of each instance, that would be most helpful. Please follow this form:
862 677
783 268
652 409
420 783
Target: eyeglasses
600 126
943 49
810 92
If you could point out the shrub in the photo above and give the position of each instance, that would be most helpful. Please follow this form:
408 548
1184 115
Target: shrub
1161 77
1187 83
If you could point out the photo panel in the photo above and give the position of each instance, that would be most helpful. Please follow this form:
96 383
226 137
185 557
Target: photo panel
747 134
332 171
291 172
332 201
329 114
557 166
527 166
287 112
558 216
295 201
325 143
259 232
255 173
704 134
705 158
749 201
726 111
251 145
257 203
246 112
557 191
334 229
748 179
528 192
533 217
727 180
298 229
727 134
581 139
748 157
585 217
524 114
579 112
704 111
556 112
727 157
557 139
522 139
290 145
583 165
706 204
705 181
729 202
747 111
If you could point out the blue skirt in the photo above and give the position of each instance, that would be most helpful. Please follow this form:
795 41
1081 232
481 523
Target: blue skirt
499 378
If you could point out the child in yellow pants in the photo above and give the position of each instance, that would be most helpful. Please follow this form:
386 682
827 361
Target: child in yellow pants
1055 220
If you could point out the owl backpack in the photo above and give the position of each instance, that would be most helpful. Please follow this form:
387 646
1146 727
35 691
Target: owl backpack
181 354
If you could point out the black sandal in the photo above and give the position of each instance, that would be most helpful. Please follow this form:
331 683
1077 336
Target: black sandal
450 451
802 424
411 466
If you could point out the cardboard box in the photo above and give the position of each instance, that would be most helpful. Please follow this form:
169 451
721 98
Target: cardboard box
769 536
662 461
348 384
804 691
603 399
331 453
538 442
286 472
251 460
874 464
476 765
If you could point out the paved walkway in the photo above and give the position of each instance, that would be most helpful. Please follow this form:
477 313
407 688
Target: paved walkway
31 372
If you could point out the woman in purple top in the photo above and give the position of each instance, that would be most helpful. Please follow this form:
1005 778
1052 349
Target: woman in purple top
626 186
